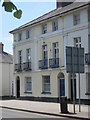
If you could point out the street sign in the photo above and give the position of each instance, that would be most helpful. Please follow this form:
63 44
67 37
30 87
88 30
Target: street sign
69 59
72 64
81 68
75 64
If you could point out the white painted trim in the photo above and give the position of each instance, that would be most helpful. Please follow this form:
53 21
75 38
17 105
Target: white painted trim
65 44
35 60
61 32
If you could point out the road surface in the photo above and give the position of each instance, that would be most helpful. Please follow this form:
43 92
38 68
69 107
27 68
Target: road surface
7 113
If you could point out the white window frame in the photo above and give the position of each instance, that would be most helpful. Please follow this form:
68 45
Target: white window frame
20 56
56 48
88 14
28 55
44 28
55 25
28 34
28 83
76 19
77 42
88 82
46 83
19 36
44 52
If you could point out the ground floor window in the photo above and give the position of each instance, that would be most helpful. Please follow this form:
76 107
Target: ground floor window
46 83
89 83
28 84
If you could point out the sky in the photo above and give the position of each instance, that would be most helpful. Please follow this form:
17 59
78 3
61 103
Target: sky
31 10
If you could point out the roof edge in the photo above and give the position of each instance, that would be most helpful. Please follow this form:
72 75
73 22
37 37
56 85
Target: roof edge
17 29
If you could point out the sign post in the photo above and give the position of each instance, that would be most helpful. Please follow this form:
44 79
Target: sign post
80 61
73 81
75 64
79 80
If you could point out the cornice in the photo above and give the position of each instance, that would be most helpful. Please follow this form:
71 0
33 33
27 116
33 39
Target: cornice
62 32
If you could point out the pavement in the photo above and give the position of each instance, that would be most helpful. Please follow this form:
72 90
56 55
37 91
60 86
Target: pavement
47 108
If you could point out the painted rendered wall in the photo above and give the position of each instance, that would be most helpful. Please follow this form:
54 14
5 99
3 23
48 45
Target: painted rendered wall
0 79
65 38
78 31
37 83
7 77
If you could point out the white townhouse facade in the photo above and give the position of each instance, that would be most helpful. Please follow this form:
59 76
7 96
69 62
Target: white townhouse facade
6 73
40 54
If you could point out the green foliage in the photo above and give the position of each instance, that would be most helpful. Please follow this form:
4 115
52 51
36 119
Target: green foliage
18 14
10 7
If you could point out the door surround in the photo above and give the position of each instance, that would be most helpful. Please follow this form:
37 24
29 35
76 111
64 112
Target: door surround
17 87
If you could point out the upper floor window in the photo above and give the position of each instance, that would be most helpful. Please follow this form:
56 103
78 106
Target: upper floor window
28 55
89 83
28 34
14 37
20 56
20 37
55 25
77 42
56 50
44 52
28 84
76 19
89 15
44 29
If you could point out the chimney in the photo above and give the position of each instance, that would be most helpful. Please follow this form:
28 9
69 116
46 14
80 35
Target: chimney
63 3
1 47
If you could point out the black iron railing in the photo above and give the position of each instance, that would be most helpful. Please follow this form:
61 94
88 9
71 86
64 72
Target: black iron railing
54 62
43 64
18 67
27 66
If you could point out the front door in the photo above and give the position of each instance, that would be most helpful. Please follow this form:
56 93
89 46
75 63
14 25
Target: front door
62 87
18 88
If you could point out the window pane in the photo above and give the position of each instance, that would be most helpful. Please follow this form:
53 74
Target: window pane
27 34
45 28
88 82
46 83
55 25
76 19
56 50
28 84
77 42
20 36
44 52
28 55
89 15
20 56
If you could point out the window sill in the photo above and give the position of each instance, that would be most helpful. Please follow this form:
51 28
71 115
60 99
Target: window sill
76 24
46 93
88 93
54 30
28 92
19 40
28 38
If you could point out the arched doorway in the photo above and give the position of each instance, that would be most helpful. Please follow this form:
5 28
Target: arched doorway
71 85
17 87
61 79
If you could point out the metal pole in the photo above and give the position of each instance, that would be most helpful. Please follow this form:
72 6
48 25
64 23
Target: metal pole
79 81
73 80
73 94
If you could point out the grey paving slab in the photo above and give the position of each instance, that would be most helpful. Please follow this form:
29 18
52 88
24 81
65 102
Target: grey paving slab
46 107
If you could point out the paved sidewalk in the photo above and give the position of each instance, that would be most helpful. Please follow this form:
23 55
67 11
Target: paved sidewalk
46 108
